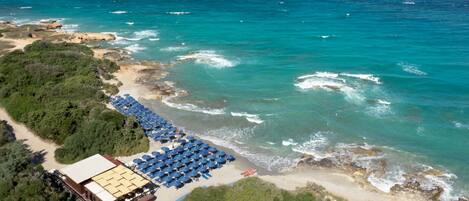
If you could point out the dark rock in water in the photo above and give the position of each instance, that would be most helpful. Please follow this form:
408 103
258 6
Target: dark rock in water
413 185
312 161
463 198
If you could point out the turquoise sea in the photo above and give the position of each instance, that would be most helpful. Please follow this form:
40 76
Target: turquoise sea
274 79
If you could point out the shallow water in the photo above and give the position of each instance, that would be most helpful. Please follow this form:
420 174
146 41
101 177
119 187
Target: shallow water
275 78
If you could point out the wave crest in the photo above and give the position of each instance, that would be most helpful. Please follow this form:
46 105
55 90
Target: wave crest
208 57
412 69
192 108
179 13
254 118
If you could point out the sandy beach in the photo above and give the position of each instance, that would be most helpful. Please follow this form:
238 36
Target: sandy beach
336 182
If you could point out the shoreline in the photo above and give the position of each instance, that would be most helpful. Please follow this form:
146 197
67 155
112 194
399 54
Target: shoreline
335 181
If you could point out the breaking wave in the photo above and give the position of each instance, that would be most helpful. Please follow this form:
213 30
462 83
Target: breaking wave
227 137
408 2
134 48
289 142
192 108
118 12
174 49
347 83
314 146
179 13
412 69
460 125
254 118
25 7
208 57
136 36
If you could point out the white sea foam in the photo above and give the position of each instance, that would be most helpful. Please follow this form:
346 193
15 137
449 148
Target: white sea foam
271 143
134 48
387 181
208 57
226 136
460 125
179 13
154 39
383 102
174 49
348 83
289 142
70 27
408 2
25 7
136 36
314 146
193 108
254 118
368 77
118 12
412 69
130 23
145 34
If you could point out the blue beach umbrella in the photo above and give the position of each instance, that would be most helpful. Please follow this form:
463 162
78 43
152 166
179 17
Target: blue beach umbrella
204 153
212 149
137 161
146 157
230 158
212 165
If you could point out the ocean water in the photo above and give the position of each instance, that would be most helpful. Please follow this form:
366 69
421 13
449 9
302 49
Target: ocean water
274 79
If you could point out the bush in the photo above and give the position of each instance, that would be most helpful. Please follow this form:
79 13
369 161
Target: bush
20 176
249 189
56 90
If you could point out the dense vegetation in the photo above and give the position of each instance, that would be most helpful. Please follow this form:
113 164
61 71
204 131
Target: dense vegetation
20 178
56 90
254 189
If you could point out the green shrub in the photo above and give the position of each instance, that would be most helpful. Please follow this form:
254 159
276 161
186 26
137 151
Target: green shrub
20 176
56 90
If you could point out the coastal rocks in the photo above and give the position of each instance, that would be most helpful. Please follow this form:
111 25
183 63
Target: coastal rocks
51 24
414 186
307 160
90 37
363 162
6 24
463 198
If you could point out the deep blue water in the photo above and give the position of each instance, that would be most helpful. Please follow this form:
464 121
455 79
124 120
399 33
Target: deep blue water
391 74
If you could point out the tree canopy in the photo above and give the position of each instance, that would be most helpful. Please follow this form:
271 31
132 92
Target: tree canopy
20 177
56 90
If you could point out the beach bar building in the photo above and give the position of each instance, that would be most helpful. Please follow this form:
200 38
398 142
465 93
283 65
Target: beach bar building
99 178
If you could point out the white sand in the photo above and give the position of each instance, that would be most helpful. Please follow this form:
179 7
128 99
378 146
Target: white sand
128 75
18 43
35 143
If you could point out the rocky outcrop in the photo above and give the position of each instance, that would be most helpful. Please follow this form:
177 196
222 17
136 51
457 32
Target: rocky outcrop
414 186
52 24
90 37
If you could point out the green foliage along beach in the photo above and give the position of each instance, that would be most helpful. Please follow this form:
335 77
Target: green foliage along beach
19 176
254 188
56 90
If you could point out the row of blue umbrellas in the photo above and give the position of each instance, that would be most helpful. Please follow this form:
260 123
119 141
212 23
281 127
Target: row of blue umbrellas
154 125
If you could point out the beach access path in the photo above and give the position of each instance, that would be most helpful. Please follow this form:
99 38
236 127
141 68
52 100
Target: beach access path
34 142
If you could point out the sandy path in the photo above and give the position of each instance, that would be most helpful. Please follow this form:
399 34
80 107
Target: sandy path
35 143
